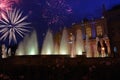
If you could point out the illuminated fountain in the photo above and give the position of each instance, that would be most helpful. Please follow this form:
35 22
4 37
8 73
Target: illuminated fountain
56 49
88 47
32 45
72 46
69 44
29 46
48 44
64 50
20 50
79 43
4 51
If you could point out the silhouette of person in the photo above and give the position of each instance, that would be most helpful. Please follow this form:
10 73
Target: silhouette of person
115 51
99 48
13 50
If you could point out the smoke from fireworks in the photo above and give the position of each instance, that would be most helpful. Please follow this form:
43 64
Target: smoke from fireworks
55 11
12 24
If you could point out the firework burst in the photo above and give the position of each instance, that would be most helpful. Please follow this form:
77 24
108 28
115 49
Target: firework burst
55 11
6 5
12 24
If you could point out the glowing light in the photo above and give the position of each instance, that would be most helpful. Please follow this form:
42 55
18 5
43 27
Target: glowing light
29 46
79 43
32 51
12 24
88 47
32 44
20 50
2 6
64 50
103 48
48 44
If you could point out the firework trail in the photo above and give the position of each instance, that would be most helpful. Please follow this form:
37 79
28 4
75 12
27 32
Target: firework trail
55 11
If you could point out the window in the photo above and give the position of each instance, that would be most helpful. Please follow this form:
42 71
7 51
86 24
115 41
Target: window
88 32
99 31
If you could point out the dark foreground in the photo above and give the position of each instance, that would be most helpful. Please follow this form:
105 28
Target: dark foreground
59 68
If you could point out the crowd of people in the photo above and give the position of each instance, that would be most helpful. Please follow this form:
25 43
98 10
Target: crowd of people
63 68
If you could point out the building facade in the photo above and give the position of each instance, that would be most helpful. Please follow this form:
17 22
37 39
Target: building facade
95 42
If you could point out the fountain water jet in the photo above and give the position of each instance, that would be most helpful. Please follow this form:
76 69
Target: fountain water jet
64 50
20 50
88 47
48 44
32 46
4 51
29 46
64 44
72 47
56 49
79 43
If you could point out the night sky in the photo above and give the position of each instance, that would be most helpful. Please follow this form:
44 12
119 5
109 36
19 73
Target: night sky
57 14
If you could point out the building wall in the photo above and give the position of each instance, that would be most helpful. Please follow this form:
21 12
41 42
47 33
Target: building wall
113 23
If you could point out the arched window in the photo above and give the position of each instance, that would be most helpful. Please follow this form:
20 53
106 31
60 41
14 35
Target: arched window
99 30
88 32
